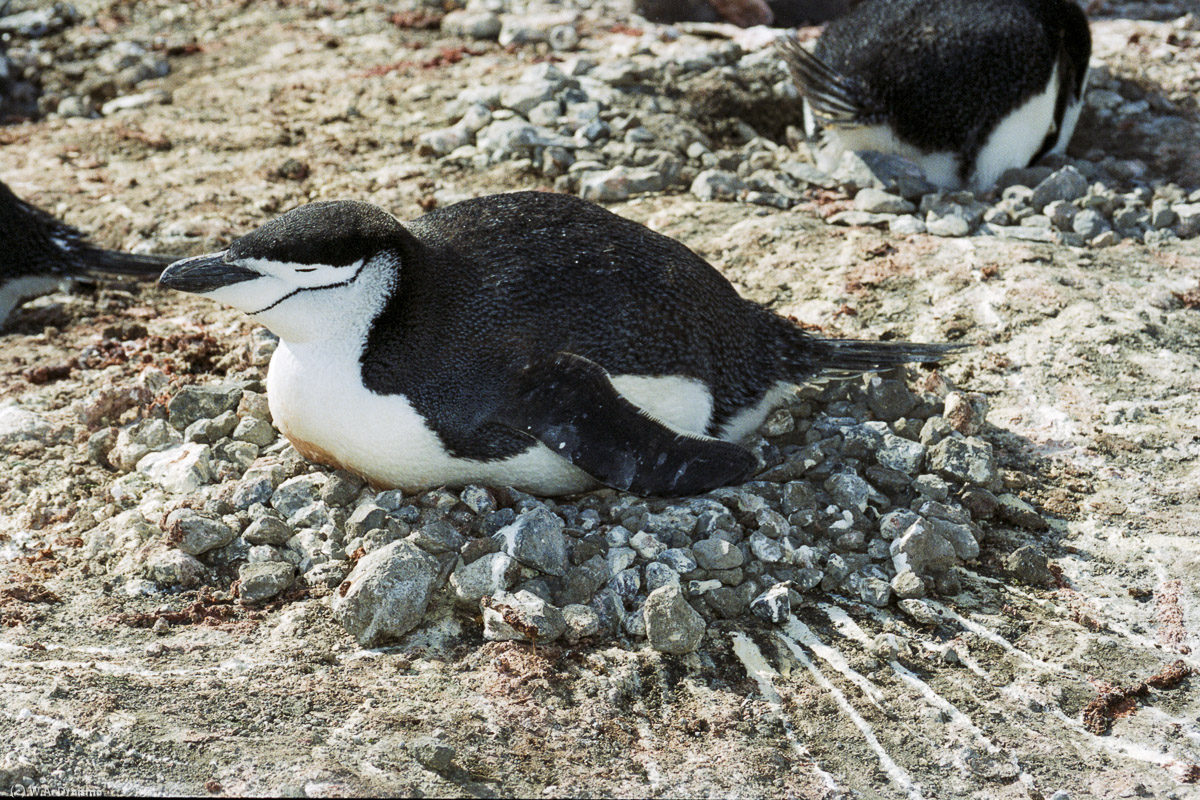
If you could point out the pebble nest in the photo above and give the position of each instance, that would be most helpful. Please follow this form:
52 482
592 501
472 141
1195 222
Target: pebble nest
866 489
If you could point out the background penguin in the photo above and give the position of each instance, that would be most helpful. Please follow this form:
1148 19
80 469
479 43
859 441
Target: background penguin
529 339
965 88
38 253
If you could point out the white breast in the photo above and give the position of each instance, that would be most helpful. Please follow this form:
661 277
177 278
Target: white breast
1019 135
319 402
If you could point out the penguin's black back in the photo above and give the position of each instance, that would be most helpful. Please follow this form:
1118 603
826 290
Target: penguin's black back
529 275
943 73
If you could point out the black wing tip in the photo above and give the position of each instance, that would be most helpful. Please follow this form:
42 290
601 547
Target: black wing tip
108 263
859 355
830 94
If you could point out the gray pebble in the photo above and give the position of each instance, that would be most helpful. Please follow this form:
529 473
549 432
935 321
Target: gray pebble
714 184
386 594
484 577
716 554
264 580
194 534
535 615
672 625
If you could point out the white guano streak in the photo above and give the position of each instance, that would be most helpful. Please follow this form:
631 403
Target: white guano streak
763 673
894 771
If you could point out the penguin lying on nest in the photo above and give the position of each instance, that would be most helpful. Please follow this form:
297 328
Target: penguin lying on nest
965 88
42 252
531 340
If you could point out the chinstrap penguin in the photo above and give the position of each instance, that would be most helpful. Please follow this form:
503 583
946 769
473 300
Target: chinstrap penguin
42 252
965 88
530 339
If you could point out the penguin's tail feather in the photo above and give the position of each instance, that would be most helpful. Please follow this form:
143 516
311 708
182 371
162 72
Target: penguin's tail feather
99 263
831 359
830 94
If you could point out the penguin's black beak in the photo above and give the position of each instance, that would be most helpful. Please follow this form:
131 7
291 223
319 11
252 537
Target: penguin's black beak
203 274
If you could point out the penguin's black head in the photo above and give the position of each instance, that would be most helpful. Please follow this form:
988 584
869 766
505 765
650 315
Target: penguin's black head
312 263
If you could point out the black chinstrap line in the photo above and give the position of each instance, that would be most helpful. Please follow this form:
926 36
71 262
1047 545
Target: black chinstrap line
295 292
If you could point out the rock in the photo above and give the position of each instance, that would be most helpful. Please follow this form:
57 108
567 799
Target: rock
922 551
920 612
620 183
196 402
672 625
20 425
773 605
931 486
522 617
659 575
860 219
765 549
848 491
471 24
1016 511
715 553
367 516
432 753
140 438
1029 564
898 453
341 489
180 469
678 560
99 444
1188 224
893 524
255 431
875 592
1089 223
486 576
968 460
582 622
959 535
170 568
713 184
906 225
298 493
437 537
510 137
536 540
876 201
1065 184
1062 214
626 584
647 546
889 400
264 580
194 534
893 174
386 594
907 585
966 412
951 213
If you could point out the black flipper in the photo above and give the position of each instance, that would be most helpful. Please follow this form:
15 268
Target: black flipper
106 263
831 95
569 404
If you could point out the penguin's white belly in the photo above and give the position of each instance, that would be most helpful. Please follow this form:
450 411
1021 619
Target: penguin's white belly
1019 135
319 402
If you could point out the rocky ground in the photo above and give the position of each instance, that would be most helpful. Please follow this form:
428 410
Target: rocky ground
977 580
